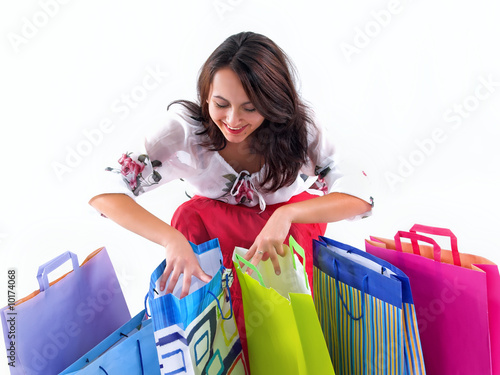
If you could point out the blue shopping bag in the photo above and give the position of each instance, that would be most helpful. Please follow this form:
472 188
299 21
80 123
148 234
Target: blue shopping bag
129 350
197 334
366 310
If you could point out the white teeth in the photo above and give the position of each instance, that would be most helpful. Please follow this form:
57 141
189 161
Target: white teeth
233 128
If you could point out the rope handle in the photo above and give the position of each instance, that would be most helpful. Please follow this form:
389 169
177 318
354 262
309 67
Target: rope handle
363 291
230 301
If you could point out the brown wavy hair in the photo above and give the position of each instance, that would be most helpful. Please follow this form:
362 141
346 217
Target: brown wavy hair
267 76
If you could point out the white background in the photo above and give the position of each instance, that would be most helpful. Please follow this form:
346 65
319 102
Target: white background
408 71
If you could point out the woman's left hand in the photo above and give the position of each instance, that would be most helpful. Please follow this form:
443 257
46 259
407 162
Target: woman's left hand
269 242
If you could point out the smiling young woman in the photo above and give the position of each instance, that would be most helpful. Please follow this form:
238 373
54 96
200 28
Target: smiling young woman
230 108
255 157
267 77
237 118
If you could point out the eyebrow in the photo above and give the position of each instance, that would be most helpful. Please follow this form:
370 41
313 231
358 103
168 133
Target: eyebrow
221 97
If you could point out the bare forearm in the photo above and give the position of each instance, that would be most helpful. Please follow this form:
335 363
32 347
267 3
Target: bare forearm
126 212
326 209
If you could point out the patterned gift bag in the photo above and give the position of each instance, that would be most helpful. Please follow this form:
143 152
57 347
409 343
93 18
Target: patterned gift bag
366 310
197 334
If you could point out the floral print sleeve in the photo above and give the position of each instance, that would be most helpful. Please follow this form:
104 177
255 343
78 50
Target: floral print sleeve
138 174
163 154
320 183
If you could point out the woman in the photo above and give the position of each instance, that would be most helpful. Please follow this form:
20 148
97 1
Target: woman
258 163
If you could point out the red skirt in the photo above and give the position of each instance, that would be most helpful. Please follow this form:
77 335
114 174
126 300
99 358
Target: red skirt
201 219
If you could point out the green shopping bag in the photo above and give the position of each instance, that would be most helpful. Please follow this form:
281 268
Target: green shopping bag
283 331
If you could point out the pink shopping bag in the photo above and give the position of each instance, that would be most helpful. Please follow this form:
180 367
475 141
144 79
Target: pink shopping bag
457 299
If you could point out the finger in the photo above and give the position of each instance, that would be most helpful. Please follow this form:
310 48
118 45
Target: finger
250 253
164 277
186 284
257 257
280 250
174 277
202 275
274 260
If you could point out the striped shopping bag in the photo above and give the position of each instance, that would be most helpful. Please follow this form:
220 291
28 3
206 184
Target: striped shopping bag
366 311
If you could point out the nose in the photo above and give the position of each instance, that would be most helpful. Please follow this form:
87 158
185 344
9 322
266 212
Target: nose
232 117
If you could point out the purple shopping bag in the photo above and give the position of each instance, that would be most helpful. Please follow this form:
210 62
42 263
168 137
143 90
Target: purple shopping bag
51 328
457 300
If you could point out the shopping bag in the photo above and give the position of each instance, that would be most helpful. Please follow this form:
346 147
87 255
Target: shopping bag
366 310
54 326
129 350
283 331
457 301
197 334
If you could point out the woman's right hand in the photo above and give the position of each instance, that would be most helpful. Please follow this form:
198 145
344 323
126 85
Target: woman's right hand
180 259
179 255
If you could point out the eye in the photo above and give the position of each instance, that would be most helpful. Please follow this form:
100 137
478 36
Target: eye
250 109
220 105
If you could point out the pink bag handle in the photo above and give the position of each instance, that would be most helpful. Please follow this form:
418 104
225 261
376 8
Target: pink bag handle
440 232
414 237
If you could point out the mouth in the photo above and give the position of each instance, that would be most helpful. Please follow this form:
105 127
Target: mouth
234 130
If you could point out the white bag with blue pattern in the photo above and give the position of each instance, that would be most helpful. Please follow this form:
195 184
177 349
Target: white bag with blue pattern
197 334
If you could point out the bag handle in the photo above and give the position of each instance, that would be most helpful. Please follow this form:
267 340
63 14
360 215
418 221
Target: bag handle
140 356
51 265
239 258
363 291
230 301
440 232
146 305
417 237
294 246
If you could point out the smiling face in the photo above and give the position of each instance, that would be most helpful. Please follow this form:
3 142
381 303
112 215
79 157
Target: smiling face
230 109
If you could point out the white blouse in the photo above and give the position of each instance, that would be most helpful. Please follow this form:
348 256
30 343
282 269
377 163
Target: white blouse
171 151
